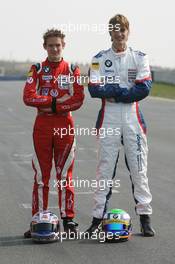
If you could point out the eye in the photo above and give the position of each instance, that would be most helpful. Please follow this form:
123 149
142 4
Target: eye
122 30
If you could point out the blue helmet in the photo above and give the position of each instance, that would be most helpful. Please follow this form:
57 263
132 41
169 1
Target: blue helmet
45 227
117 225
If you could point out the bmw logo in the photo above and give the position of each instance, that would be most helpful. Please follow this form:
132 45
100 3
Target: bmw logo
108 63
115 216
46 69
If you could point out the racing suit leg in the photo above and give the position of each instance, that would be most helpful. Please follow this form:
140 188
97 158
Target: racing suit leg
64 152
42 162
136 151
108 154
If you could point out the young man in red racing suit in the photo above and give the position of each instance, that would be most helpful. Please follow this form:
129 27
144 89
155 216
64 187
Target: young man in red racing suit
52 87
127 81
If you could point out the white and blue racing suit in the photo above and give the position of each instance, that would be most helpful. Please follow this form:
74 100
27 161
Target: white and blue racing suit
126 78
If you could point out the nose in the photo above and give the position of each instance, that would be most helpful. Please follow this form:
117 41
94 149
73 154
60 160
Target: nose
54 48
119 33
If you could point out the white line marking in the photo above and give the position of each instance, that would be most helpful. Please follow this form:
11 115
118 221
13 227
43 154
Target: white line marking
23 155
86 192
162 99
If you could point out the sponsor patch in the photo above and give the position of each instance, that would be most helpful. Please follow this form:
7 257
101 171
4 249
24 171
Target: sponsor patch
109 71
47 77
29 80
45 91
108 63
46 69
132 75
95 66
54 92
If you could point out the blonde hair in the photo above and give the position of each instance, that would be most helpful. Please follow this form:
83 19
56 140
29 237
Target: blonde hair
120 21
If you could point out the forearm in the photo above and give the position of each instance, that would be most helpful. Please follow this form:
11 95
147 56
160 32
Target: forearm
71 104
105 91
37 100
136 93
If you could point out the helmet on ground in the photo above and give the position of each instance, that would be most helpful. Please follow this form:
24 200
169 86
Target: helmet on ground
45 227
117 225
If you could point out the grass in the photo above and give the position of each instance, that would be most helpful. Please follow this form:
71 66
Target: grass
163 90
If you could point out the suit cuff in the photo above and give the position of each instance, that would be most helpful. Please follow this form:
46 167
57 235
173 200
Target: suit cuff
54 101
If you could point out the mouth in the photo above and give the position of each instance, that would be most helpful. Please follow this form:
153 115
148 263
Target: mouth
120 39
54 54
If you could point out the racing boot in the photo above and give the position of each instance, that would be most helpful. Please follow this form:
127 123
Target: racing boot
27 234
70 226
146 228
94 228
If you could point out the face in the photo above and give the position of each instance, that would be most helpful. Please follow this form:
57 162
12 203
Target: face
54 47
120 37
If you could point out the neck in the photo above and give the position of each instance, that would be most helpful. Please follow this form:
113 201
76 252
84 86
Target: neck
119 48
54 60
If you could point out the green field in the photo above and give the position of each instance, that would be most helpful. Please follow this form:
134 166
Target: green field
163 90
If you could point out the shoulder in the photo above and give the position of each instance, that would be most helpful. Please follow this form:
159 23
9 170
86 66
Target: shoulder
137 53
37 67
139 56
100 55
98 59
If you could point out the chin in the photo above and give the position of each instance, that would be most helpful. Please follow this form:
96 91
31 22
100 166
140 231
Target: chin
55 58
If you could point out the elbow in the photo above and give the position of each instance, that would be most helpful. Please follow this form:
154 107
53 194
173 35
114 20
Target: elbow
146 92
25 101
91 89
144 89
76 106
147 88
92 94
142 95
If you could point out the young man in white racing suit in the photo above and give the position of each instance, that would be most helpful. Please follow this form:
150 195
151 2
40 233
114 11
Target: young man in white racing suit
121 77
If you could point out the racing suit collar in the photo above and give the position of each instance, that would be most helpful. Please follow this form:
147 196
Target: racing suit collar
119 54
53 64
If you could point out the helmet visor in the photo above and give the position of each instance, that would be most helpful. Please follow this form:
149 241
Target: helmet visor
48 227
115 226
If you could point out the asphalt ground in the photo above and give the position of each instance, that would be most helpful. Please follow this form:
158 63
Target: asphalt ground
16 179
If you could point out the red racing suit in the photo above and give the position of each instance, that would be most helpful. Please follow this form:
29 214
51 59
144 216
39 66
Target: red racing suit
46 83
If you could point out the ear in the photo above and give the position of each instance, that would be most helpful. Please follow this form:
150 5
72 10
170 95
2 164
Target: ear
44 46
63 44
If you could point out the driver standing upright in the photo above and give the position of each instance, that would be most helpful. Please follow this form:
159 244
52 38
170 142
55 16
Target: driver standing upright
120 109
49 89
